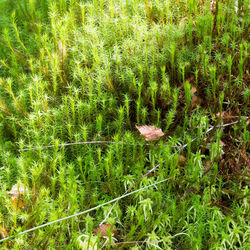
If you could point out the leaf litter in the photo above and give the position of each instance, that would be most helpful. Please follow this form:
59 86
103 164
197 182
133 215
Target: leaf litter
150 132
17 192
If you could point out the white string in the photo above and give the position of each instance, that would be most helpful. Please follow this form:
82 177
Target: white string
91 142
111 142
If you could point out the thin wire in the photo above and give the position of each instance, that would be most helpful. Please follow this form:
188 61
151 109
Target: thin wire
83 212
227 124
92 142
111 142
66 144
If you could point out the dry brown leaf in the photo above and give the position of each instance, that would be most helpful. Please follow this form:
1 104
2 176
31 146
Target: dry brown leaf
181 95
226 115
18 189
3 233
195 101
193 90
16 193
183 21
190 79
17 203
103 230
213 6
150 132
222 114
182 160
207 166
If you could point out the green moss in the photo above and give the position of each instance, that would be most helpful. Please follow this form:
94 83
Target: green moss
73 71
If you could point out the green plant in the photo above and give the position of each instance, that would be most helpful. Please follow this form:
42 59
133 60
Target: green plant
77 76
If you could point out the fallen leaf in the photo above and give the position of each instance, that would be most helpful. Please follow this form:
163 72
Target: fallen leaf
193 90
195 101
150 132
207 166
18 189
190 79
222 114
3 233
213 6
181 95
227 116
182 160
17 203
103 230
183 21
17 193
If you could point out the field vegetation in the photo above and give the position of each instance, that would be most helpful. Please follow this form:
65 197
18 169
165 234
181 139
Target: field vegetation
88 73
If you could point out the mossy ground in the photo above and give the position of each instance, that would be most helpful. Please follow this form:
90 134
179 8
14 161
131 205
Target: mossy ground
73 71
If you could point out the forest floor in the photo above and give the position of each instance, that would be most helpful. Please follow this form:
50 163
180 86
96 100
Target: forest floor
147 98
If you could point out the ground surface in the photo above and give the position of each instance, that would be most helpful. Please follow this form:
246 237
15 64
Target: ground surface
74 71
